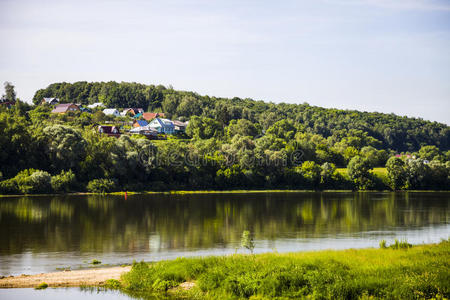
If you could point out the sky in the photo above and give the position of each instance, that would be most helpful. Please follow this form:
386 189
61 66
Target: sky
390 56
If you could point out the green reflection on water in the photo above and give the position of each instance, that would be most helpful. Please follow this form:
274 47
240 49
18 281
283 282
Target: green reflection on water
149 222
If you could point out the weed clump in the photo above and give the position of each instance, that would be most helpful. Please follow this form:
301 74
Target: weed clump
41 286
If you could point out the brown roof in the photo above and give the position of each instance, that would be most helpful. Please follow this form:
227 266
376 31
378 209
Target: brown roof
179 123
134 110
150 116
108 129
62 108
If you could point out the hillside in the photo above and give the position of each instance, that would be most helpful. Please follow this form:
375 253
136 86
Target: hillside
392 131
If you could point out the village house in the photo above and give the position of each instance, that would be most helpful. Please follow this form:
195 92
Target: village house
64 108
132 111
111 112
148 132
95 105
109 130
179 126
139 123
162 125
150 116
50 101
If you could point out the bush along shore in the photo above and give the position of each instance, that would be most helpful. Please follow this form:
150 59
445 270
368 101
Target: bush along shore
398 271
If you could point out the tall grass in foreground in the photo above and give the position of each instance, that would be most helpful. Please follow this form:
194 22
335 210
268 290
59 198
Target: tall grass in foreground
410 273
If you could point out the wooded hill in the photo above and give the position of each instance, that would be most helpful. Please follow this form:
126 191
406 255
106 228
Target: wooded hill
391 131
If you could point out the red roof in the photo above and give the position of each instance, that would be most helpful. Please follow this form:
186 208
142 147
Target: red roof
150 116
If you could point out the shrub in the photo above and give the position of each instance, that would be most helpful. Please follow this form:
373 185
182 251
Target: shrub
41 286
63 182
101 185
113 284
247 241
400 244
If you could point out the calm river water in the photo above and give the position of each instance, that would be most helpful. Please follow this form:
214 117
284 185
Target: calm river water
43 234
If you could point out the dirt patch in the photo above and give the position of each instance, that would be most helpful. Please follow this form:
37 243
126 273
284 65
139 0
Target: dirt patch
91 277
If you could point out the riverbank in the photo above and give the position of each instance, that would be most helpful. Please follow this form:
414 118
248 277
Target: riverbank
188 192
90 277
398 272
395 273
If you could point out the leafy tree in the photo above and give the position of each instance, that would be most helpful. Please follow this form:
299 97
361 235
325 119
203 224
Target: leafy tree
397 173
358 171
66 147
241 127
203 128
429 152
10 94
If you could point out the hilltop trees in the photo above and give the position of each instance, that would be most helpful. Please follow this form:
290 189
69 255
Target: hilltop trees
347 132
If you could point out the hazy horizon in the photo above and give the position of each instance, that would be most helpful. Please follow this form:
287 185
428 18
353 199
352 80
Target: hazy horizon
386 56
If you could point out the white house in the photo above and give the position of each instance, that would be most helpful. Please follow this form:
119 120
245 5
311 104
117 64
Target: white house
51 101
162 125
96 104
111 111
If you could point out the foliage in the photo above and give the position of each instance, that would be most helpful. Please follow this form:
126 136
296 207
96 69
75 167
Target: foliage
397 173
63 182
358 171
41 286
95 262
101 185
349 274
229 143
247 241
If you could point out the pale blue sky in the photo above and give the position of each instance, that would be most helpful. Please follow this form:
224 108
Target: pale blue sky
372 55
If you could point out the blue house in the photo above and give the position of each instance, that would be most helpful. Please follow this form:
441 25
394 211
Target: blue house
162 125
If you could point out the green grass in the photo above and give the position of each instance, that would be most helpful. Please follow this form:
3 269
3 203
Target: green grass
405 273
41 286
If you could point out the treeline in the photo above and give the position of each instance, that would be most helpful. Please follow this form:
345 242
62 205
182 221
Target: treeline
390 131
43 152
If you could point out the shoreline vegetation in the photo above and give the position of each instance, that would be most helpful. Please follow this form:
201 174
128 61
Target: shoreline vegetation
396 272
238 191
222 144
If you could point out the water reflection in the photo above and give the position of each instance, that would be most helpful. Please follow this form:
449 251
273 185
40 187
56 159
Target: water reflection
42 233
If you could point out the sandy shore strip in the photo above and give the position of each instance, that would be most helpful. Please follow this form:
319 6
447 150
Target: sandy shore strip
90 277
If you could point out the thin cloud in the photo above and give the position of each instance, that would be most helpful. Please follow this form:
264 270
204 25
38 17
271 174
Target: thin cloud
426 5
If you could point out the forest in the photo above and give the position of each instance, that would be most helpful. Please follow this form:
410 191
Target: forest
229 144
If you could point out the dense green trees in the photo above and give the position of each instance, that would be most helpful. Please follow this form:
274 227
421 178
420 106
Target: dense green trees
352 130
229 143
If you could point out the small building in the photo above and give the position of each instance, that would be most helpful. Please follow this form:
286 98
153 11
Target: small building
150 116
109 130
95 105
132 111
50 101
64 108
7 104
162 125
180 126
148 132
139 123
111 112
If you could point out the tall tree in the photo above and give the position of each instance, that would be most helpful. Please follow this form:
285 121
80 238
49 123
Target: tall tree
10 94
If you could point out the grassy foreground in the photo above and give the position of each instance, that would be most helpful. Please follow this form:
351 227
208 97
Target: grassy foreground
418 272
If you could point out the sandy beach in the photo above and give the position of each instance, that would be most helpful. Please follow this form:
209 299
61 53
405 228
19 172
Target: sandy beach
90 277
